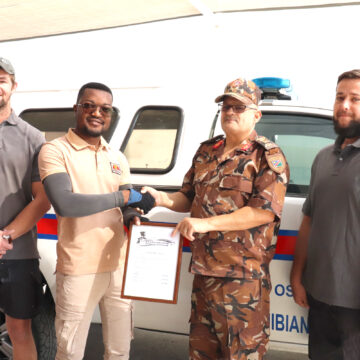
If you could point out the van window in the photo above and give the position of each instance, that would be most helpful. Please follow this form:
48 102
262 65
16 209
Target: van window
151 144
55 122
300 137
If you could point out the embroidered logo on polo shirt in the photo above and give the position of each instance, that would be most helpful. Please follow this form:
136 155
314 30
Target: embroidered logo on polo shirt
115 168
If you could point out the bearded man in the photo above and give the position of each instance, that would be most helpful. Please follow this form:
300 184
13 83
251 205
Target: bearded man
326 269
23 202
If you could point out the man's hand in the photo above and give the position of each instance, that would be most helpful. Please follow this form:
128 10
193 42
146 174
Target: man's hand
144 201
131 215
188 226
299 294
154 193
5 242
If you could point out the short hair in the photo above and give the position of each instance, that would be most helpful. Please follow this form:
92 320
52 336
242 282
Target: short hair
352 74
93 85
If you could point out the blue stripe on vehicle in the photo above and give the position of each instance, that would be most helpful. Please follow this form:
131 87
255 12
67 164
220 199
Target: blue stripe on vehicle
288 232
283 257
47 237
49 216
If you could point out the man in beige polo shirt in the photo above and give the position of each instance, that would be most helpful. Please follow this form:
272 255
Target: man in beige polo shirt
87 183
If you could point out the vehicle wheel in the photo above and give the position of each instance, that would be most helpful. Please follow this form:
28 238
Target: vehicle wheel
5 343
43 326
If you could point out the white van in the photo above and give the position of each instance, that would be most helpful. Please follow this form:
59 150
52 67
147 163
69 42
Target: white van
159 137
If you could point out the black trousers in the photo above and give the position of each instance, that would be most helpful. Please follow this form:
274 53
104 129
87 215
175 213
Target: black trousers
334 332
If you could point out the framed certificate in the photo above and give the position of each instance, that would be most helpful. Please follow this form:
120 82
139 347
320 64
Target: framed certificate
153 260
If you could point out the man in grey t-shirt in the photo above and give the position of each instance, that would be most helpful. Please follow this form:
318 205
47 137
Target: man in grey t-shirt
22 203
325 276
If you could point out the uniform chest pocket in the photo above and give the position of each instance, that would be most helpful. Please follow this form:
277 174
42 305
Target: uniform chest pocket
236 183
200 177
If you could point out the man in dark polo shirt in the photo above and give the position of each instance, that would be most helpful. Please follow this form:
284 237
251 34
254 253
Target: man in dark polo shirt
325 275
235 190
22 203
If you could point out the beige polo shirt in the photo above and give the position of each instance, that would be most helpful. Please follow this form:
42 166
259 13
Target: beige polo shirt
94 243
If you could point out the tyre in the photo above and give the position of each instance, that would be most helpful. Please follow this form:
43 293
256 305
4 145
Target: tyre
5 343
43 327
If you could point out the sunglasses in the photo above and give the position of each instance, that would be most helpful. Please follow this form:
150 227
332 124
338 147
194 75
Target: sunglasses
90 108
235 108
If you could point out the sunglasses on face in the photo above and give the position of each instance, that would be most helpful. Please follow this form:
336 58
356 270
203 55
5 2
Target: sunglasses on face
235 108
90 108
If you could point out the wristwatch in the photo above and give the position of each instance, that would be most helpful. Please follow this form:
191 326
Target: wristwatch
8 238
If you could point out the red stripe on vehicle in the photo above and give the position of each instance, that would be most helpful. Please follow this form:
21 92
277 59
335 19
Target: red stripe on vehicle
47 226
285 245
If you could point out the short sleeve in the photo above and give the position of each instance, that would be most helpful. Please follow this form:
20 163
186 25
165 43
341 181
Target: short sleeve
51 161
269 188
38 142
306 209
187 187
126 177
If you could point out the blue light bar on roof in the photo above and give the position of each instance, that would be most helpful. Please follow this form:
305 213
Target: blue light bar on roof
272 83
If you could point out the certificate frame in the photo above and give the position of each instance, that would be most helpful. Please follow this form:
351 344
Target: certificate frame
144 279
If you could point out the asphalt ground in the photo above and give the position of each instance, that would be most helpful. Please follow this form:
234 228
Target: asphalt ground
154 345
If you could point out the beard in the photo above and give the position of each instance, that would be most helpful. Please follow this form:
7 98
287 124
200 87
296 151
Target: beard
88 132
352 130
3 104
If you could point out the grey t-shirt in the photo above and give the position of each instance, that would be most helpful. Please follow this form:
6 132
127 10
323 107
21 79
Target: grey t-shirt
332 272
20 144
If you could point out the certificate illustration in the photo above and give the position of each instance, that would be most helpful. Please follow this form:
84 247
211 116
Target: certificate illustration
153 260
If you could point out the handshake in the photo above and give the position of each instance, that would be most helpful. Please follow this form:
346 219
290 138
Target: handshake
145 201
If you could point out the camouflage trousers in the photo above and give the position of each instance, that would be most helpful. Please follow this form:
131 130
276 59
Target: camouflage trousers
229 319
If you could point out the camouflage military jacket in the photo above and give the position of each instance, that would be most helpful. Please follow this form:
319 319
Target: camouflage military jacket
255 174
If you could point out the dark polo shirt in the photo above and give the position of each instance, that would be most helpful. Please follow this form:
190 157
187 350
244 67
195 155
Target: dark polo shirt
332 273
20 144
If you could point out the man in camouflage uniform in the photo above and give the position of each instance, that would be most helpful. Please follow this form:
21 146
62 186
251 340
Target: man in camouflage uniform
235 191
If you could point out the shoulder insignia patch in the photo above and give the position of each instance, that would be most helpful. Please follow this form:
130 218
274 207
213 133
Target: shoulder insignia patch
265 142
218 144
213 140
115 168
276 161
